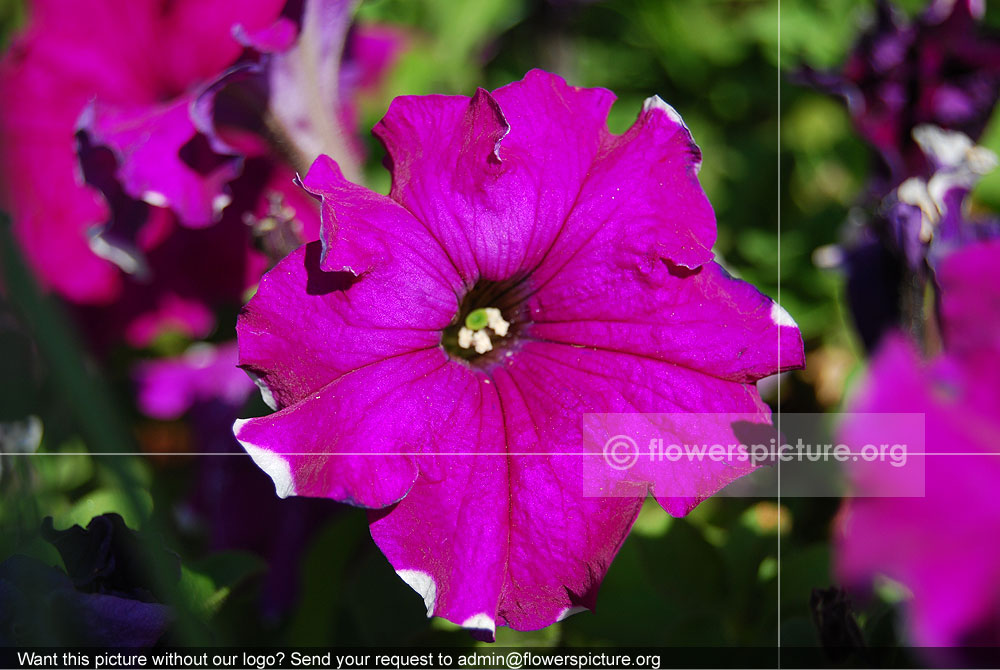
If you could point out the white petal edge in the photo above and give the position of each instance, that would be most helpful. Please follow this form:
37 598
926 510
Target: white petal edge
781 317
154 198
481 622
265 392
656 102
570 611
127 257
948 147
219 203
276 467
422 583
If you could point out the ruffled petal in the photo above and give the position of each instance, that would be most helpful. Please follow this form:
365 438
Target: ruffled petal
528 542
448 538
125 55
163 160
563 534
644 191
493 178
400 407
295 91
389 292
519 180
704 320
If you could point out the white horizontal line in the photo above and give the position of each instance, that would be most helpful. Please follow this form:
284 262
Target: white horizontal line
643 455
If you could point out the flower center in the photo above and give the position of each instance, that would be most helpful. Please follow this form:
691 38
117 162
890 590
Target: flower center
279 232
476 333
486 324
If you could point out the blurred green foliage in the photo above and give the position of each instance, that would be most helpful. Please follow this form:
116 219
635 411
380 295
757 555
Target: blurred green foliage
11 16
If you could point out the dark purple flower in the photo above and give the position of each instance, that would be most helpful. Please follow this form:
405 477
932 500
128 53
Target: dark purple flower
39 606
918 225
108 557
941 69
874 275
110 594
928 219
529 267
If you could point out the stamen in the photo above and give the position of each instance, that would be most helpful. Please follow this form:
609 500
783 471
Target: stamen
496 321
465 338
482 342
278 231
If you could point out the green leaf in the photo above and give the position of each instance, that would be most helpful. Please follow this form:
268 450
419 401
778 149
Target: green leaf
550 636
86 392
323 580
65 472
134 509
205 585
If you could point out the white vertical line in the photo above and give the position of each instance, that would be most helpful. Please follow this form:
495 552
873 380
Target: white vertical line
778 422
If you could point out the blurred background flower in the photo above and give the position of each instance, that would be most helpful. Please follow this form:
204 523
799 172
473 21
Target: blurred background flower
930 545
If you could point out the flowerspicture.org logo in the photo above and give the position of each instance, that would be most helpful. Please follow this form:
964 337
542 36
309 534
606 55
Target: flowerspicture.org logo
625 453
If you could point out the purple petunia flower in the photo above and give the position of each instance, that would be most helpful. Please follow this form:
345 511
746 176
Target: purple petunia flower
433 357
108 595
130 60
928 219
294 98
920 93
122 218
940 69
946 557
918 225
40 606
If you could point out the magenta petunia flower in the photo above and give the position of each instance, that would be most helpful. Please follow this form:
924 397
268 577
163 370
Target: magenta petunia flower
138 62
294 96
941 551
432 358
112 218
169 387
